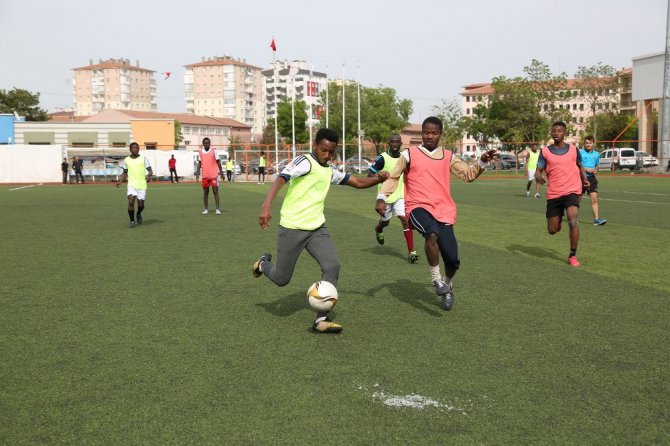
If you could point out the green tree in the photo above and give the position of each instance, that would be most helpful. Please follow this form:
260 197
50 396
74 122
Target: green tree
610 125
597 84
382 112
452 119
268 137
22 102
285 122
178 135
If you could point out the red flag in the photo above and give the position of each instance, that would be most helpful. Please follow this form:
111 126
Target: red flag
272 45
167 75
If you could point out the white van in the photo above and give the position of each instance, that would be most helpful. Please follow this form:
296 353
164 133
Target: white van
617 159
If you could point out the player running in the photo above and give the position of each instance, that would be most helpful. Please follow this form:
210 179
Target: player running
137 169
395 203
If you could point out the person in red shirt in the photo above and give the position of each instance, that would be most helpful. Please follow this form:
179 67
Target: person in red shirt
211 170
172 164
567 179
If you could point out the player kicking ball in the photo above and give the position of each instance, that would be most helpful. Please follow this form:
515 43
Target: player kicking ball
302 223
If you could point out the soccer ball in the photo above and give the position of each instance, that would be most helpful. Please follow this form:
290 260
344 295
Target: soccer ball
322 296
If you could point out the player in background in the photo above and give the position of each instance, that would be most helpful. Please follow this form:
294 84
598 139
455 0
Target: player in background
302 223
261 168
428 200
395 203
567 179
531 165
211 170
137 169
591 162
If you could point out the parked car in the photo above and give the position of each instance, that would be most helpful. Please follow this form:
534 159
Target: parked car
499 164
353 166
618 158
277 167
509 159
645 159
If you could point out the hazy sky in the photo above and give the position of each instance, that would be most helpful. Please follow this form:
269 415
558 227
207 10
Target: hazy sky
427 50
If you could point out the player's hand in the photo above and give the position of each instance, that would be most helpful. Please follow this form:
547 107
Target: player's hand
587 184
380 207
117 184
383 175
540 180
264 219
489 155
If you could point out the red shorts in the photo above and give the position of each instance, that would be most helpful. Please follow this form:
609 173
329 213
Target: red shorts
206 182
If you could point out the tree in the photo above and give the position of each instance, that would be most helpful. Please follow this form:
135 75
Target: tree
382 112
22 102
596 83
268 138
610 125
285 122
178 136
452 119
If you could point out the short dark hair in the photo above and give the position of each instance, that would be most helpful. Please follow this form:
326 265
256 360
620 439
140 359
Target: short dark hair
589 137
329 134
559 123
432 120
133 144
206 139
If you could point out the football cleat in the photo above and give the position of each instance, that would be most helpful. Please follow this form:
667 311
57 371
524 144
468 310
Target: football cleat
139 219
573 261
218 212
326 326
131 224
413 257
380 237
205 212
599 222
448 298
440 287
256 268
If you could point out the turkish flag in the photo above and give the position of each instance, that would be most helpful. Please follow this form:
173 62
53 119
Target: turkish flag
272 45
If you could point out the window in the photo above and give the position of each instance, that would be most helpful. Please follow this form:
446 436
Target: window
581 107
467 111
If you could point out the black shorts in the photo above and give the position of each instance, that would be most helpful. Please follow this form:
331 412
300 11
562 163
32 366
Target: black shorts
261 170
557 206
593 188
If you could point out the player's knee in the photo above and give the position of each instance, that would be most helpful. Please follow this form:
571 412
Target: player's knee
331 267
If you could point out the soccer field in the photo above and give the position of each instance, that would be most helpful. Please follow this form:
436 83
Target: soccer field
160 335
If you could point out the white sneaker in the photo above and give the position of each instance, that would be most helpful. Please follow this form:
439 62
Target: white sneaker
537 195
527 194
205 212
218 212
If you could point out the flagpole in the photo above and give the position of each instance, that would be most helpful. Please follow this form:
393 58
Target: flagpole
274 82
292 72
344 128
327 101
360 148
311 68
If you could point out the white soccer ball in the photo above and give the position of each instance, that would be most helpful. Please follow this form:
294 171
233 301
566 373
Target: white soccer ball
322 296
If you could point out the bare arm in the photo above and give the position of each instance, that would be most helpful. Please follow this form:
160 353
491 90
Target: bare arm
149 174
369 181
266 214
122 179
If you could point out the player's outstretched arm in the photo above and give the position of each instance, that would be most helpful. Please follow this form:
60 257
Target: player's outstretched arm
365 182
266 214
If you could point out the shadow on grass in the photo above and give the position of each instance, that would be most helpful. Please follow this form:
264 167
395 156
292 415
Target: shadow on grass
285 306
385 251
535 251
412 293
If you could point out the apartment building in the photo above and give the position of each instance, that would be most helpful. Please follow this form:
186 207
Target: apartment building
578 105
225 87
293 79
113 84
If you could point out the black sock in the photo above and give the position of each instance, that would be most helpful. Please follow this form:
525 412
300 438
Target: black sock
573 252
139 210
131 214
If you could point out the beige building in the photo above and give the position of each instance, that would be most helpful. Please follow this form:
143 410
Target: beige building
574 101
294 79
224 87
113 84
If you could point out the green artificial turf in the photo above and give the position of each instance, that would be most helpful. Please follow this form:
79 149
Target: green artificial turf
160 335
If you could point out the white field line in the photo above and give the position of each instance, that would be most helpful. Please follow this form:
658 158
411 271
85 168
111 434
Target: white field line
630 201
25 187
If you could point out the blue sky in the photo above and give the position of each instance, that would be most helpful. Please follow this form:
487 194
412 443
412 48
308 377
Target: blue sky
425 49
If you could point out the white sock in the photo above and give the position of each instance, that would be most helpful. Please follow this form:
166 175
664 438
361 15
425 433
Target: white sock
435 272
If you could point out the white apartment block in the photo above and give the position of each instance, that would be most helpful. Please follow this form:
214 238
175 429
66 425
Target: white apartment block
295 79
579 107
225 87
113 84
